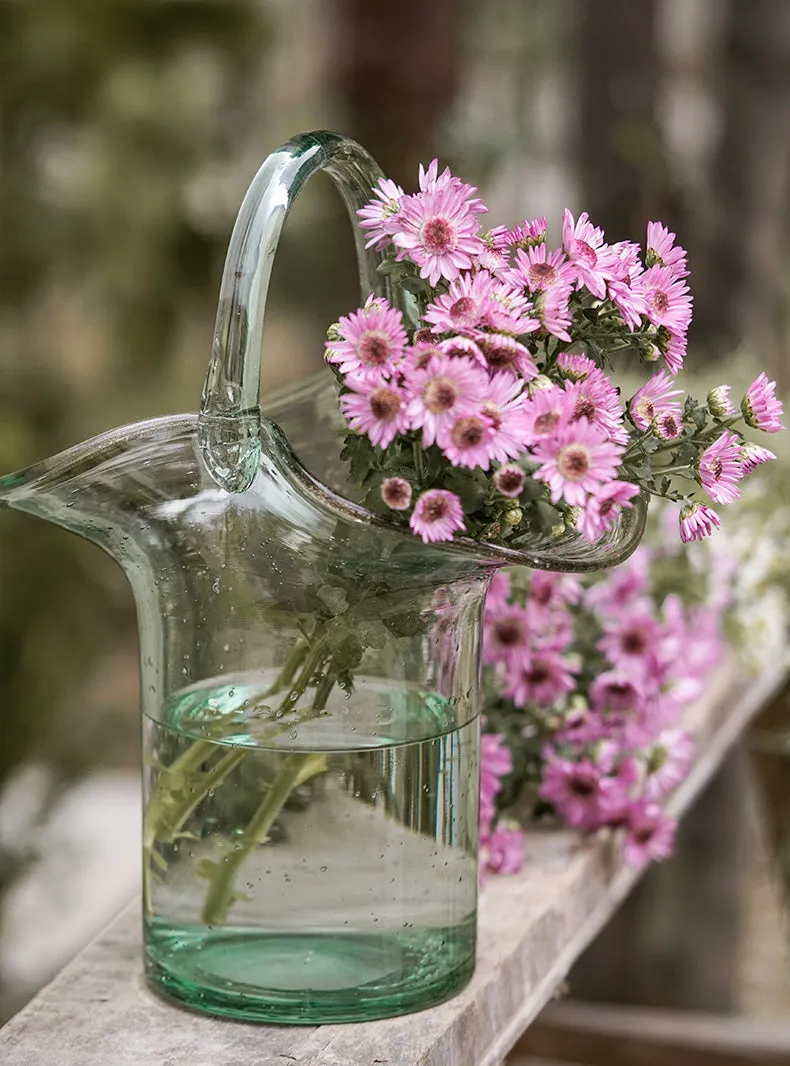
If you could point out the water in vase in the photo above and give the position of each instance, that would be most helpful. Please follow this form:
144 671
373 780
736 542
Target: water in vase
318 871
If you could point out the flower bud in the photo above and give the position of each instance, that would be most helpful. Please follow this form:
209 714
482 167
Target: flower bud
539 383
333 332
719 402
513 516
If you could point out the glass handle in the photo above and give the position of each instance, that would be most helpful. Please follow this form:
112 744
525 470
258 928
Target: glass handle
229 424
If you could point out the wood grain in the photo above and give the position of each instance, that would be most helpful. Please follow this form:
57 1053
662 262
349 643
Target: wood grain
98 1011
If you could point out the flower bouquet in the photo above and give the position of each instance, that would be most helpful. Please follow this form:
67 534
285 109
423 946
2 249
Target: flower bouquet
490 408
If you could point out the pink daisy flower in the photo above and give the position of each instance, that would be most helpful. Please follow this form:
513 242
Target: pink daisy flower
509 481
372 341
603 507
463 347
650 834
584 246
669 425
396 493
630 640
575 367
431 180
622 287
720 403
546 412
379 215
597 400
616 693
421 353
438 230
442 392
720 469
662 250
437 515
667 763
697 521
667 299
672 346
653 399
541 268
506 635
503 352
502 852
752 455
377 409
760 407
575 461
550 591
504 402
463 306
526 234
509 311
468 441
540 678
552 307
576 790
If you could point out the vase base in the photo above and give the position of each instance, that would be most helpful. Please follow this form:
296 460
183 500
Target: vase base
309 978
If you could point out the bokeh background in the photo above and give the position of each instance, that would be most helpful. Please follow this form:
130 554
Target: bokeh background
128 134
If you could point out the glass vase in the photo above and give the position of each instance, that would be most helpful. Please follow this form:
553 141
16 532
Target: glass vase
310 675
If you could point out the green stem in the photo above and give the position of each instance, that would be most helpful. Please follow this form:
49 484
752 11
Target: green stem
295 770
289 667
163 820
418 466
683 470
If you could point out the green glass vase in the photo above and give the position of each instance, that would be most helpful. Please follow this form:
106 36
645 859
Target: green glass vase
310 675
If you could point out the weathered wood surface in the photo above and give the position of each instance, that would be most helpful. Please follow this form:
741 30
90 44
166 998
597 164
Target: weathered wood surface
533 926
622 1036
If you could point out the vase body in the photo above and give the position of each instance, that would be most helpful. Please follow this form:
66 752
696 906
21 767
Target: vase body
310 676
311 775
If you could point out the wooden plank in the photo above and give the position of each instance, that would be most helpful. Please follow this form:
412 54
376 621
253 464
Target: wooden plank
533 926
623 1036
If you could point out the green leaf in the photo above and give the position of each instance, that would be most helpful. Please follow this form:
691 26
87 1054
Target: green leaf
335 598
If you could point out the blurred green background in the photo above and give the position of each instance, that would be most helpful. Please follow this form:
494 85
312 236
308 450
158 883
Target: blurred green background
128 134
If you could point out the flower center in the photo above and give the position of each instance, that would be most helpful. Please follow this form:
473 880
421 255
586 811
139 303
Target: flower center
374 348
434 509
660 302
645 834
396 493
670 426
584 408
384 404
716 467
605 508
573 462
493 412
634 642
646 408
468 432
464 309
510 481
583 252
538 672
439 395
581 787
510 631
541 275
546 423
438 236
498 355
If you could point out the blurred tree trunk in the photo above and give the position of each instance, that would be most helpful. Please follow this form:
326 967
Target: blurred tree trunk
398 73
620 155
745 241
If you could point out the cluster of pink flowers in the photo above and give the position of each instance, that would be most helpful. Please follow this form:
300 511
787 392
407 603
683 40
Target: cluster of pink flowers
596 679
499 369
